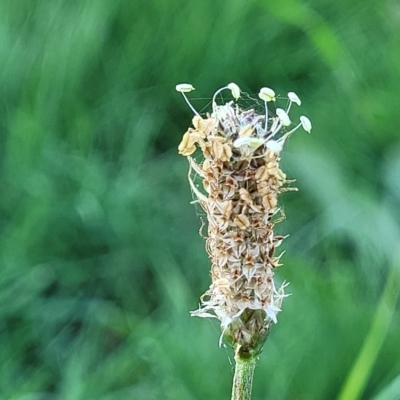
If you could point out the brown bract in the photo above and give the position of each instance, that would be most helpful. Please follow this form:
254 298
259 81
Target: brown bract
240 197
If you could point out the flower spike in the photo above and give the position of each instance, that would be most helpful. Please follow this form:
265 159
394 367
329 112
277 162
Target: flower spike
239 190
241 186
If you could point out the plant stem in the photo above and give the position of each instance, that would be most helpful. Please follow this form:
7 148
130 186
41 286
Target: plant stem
243 379
358 377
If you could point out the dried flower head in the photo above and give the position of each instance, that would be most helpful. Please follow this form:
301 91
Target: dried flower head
241 184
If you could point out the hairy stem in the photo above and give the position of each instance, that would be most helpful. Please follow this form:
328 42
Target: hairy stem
243 379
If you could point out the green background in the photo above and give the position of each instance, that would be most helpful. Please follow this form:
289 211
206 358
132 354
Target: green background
100 255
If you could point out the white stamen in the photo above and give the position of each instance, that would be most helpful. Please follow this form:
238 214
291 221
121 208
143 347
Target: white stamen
283 117
266 94
305 123
294 98
252 142
185 88
234 89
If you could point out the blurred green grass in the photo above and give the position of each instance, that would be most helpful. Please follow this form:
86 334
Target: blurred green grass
99 248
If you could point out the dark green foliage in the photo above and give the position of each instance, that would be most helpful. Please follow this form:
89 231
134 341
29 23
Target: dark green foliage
100 255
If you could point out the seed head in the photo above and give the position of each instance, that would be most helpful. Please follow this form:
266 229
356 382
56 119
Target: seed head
242 181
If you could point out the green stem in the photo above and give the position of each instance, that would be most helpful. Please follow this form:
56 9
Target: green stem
362 368
243 379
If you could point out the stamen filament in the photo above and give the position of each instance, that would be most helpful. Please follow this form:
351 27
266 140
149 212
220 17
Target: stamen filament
273 133
266 117
214 103
189 104
283 138
288 109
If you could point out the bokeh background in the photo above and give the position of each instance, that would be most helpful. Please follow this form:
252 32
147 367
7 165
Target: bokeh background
100 255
